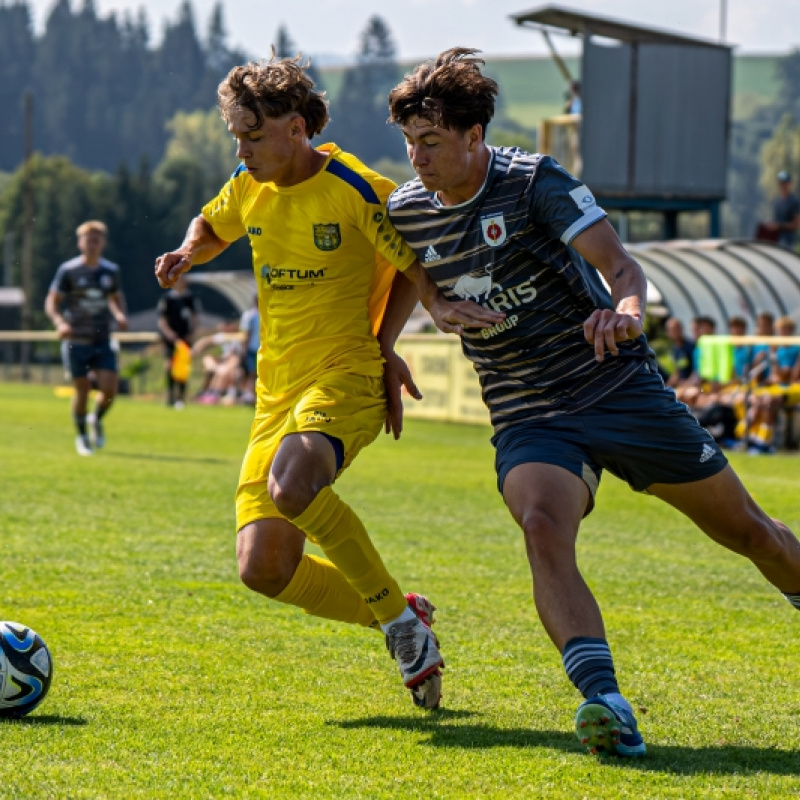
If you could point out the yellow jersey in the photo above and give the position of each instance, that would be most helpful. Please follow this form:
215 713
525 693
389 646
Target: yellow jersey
324 257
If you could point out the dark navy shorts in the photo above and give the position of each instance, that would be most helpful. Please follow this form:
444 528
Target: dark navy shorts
249 361
85 357
638 432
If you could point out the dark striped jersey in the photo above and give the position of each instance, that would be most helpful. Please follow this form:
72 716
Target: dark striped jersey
508 248
85 293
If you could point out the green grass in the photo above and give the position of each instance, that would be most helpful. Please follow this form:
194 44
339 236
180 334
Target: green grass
173 681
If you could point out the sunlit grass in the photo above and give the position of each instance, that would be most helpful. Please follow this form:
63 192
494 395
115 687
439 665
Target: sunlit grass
173 681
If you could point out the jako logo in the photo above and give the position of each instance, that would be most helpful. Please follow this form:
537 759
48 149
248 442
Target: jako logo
253 231
381 594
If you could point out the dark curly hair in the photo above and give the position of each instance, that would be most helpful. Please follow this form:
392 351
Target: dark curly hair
273 89
450 92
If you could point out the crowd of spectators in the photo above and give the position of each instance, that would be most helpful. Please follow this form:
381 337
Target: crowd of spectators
742 393
227 356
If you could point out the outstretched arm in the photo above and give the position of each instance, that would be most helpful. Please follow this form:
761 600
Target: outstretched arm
601 247
200 245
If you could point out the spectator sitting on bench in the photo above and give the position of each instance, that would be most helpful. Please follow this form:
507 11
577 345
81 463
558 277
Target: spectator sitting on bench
223 371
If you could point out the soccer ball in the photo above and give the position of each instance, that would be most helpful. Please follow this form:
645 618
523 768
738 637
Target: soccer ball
26 669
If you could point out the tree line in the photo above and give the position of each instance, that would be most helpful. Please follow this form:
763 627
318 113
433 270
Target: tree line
126 132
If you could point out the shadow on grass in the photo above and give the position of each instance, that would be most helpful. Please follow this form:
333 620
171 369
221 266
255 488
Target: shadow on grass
674 760
162 457
45 719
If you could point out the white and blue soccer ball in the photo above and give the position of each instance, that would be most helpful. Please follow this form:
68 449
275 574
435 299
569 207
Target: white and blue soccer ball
26 669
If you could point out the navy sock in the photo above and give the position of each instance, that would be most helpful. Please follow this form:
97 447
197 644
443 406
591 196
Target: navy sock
589 666
794 599
80 423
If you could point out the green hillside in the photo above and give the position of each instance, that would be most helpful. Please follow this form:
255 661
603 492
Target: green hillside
533 89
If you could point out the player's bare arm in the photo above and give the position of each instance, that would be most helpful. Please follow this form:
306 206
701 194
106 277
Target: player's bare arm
396 374
601 247
200 245
449 316
115 306
52 304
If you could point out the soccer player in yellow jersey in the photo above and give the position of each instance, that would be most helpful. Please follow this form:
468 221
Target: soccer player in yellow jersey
325 256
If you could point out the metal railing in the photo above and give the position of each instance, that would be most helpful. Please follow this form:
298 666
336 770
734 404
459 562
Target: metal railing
36 356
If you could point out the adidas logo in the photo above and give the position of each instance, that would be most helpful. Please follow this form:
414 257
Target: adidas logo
708 452
431 254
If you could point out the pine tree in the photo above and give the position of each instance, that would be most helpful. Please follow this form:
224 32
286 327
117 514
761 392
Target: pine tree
17 53
284 46
360 112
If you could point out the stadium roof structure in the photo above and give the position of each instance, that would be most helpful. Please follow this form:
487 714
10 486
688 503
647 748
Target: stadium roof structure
575 23
237 286
653 130
721 278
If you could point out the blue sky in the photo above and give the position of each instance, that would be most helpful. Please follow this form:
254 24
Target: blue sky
422 28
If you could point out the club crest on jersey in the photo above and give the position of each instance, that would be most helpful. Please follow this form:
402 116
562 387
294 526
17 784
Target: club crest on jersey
494 229
327 236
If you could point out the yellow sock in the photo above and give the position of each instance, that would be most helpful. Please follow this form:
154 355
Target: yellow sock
764 433
322 591
332 524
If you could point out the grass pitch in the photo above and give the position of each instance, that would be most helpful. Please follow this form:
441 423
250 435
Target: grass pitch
173 681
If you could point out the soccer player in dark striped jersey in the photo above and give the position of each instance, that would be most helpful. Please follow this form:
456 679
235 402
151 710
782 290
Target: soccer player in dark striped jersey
569 380
83 299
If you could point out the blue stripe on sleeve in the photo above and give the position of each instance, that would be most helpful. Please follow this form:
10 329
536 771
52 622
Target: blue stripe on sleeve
354 179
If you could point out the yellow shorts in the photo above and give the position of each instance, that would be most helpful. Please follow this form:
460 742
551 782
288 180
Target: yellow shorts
351 408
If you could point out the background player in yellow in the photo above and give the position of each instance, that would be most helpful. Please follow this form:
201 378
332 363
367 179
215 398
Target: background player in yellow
324 255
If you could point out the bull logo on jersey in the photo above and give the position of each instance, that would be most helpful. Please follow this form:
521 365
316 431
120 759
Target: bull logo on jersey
327 236
494 229
469 287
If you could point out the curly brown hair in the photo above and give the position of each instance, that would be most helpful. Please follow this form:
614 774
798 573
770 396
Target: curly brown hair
450 92
273 89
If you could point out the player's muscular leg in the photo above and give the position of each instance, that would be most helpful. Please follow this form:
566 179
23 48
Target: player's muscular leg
268 552
548 503
304 464
81 397
107 385
723 509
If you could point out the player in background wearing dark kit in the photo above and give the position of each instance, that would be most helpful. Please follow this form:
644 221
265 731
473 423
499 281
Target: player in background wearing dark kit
570 382
177 321
83 298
